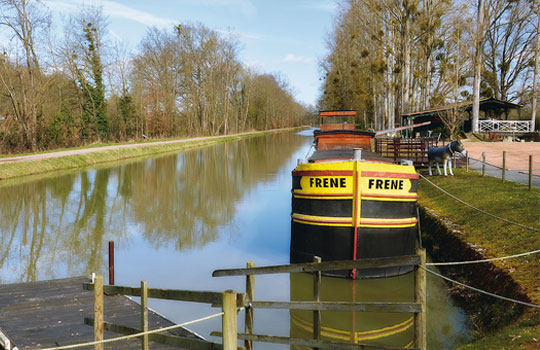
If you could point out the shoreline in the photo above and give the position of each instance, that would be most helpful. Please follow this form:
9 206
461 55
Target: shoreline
42 163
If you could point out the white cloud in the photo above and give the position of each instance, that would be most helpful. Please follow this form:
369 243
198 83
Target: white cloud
113 9
294 58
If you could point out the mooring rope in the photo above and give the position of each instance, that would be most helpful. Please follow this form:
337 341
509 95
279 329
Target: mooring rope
478 209
481 291
482 260
136 335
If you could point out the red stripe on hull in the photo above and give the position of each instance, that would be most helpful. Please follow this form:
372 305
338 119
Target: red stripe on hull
364 195
323 173
323 194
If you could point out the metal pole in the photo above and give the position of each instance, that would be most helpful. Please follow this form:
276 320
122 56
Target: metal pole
483 163
229 321
467 161
503 175
111 263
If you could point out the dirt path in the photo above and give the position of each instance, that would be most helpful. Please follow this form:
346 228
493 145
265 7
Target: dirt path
59 154
517 153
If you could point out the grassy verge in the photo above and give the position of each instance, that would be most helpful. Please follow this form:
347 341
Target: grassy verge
496 239
11 170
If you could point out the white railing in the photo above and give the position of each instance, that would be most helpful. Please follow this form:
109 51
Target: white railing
504 126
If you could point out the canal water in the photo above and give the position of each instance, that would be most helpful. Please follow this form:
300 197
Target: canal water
177 217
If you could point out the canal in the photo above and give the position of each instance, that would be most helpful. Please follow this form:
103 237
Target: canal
177 217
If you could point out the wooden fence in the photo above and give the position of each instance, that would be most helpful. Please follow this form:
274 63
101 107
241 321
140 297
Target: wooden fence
414 149
230 301
418 307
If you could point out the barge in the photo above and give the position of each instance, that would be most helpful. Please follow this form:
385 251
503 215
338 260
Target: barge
349 203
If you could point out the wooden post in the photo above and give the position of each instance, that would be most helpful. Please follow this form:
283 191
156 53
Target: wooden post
111 263
317 279
98 311
420 297
530 171
483 163
144 314
229 321
503 176
250 295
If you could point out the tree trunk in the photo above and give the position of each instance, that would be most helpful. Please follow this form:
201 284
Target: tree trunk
536 72
477 65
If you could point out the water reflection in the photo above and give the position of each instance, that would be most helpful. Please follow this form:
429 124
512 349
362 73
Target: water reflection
177 218
383 329
58 226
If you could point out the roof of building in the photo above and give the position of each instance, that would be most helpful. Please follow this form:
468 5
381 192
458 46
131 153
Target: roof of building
485 104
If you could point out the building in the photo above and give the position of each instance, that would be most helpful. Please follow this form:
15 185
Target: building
495 116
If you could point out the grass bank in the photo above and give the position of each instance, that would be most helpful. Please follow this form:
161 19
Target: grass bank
95 156
494 238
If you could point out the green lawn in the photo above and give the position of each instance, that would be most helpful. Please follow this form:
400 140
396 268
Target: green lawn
513 202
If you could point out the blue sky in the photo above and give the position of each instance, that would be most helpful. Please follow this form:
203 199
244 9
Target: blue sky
275 36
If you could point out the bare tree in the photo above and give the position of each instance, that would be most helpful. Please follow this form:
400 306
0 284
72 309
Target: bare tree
509 46
479 40
24 19
536 69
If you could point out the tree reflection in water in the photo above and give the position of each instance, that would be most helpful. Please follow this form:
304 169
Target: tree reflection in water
58 226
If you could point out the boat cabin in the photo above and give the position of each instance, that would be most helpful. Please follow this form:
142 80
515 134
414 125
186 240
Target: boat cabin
338 131
337 120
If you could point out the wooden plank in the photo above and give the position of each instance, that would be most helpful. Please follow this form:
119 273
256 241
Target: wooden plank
165 339
405 260
321 344
144 314
420 323
317 280
340 306
98 311
169 294
229 320
250 295
51 313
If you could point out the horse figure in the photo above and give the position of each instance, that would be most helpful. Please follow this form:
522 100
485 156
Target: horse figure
444 155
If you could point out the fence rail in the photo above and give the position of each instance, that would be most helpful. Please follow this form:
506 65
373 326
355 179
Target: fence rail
414 149
504 126
404 260
230 301
418 307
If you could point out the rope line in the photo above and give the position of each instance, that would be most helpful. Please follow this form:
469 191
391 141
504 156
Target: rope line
483 260
136 335
521 171
478 209
482 291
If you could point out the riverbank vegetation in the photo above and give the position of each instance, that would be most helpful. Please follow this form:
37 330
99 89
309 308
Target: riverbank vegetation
11 170
493 238
388 58
76 86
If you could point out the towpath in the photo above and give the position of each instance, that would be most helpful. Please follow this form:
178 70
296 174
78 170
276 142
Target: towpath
517 159
40 156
